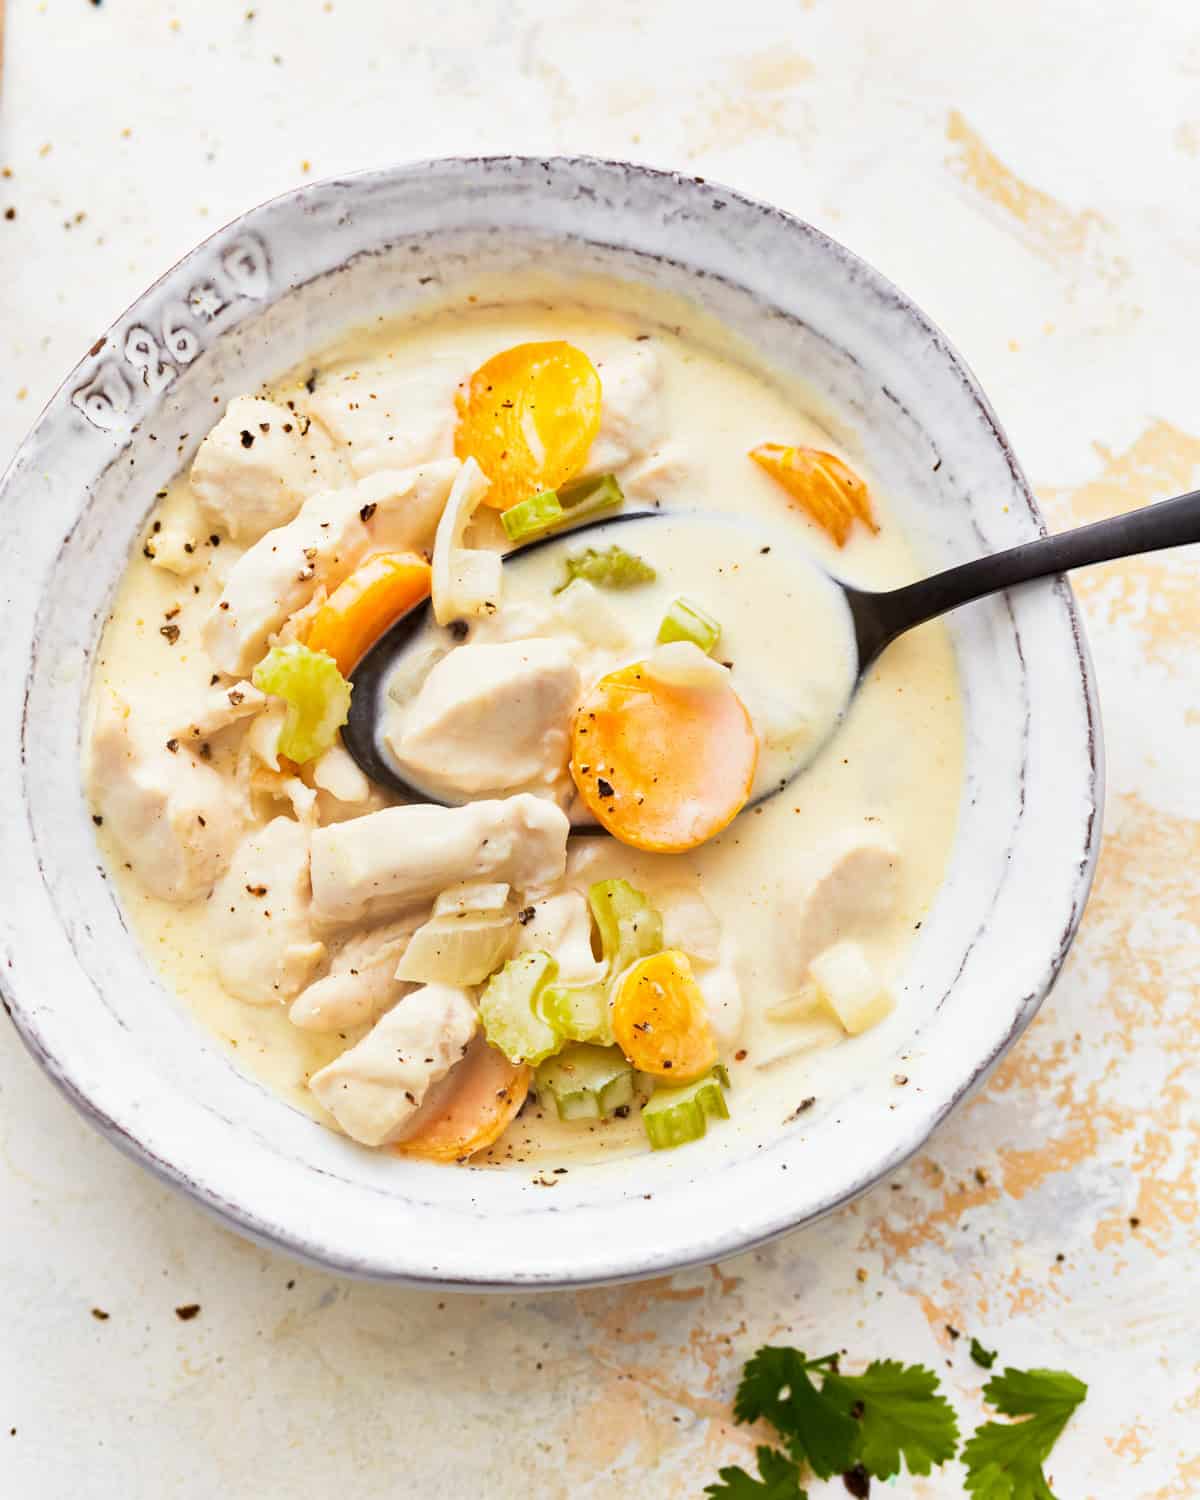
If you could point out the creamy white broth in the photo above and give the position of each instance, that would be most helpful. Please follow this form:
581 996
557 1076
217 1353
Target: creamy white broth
894 766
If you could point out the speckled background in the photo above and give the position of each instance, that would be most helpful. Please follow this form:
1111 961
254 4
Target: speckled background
1028 172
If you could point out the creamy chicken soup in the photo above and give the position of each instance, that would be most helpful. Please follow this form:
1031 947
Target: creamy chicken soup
619 920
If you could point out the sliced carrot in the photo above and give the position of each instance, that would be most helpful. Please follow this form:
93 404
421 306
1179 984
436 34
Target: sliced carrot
827 490
662 766
528 417
483 1094
359 610
660 1021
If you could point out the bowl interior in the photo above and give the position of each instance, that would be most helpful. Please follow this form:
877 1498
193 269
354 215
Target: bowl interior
289 278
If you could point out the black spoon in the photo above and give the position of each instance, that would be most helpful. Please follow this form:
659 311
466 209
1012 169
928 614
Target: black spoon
878 617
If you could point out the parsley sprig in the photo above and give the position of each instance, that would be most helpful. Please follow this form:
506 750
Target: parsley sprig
890 1416
889 1412
1004 1459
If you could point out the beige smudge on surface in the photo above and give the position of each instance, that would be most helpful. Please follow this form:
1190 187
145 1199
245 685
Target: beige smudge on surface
1155 594
759 104
1070 240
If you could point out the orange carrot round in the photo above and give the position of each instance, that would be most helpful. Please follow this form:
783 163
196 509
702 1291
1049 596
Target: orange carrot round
660 1021
528 417
662 766
358 612
484 1093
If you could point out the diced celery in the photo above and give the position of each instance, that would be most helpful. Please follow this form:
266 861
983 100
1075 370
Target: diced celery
510 1009
672 1117
532 517
316 694
686 621
579 1012
630 928
587 1083
587 497
608 568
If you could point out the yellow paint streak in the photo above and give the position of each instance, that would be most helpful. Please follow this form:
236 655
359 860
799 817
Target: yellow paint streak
775 71
1056 233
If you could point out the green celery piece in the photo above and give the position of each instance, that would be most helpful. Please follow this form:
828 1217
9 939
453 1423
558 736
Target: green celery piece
901 1414
673 1117
775 1384
779 1480
630 928
530 518
587 1083
686 621
609 568
579 1012
588 497
510 1009
316 694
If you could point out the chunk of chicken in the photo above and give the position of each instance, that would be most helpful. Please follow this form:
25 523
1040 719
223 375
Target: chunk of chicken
387 418
722 991
374 1089
257 467
263 945
689 922
856 889
489 720
222 706
403 856
332 534
631 419
170 814
361 983
659 475
337 773
562 925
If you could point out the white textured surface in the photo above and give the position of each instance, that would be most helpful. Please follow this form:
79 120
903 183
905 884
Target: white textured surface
1027 173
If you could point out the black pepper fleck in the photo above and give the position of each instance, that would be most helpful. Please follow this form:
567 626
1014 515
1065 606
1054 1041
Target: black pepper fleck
187 1312
247 438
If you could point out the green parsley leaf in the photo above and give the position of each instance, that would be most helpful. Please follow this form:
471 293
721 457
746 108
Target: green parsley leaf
900 1411
780 1480
1004 1459
985 1358
775 1385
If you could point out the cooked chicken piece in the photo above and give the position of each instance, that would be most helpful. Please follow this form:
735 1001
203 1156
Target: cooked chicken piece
856 890
722 991
337 773
631 420
170 814
361 983
333 533
689 922
490 720
257 467
175 551
263 945
375 1087
658 475
562 926
403 856
386 418
222 707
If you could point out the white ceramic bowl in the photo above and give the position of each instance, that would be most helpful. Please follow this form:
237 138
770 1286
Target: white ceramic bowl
249 302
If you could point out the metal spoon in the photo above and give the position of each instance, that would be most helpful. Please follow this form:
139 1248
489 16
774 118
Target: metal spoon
878 617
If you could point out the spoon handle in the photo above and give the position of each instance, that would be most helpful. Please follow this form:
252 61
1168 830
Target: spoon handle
1169 523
